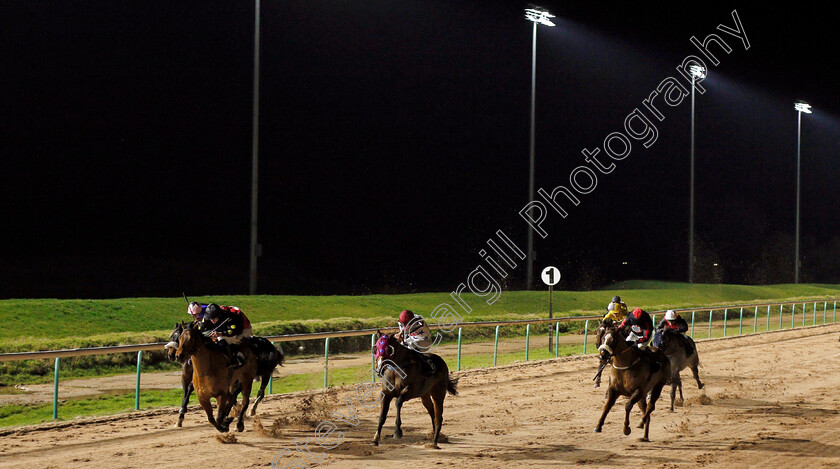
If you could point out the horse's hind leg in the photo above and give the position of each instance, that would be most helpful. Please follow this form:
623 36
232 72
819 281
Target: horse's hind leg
612 395
264 380
246 398
430 407
383 414
676 383
696 373
438 395
398 425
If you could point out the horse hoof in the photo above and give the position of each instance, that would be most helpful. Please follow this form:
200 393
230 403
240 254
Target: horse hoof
375 443
252 413
626 430
643 439
397 436
700 386
432 446
641 425
597 430
240 427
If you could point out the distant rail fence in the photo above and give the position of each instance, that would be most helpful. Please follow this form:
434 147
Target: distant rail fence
706 315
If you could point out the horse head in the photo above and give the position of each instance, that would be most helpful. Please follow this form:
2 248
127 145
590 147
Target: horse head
189 341
172 345
603 327
384 349
611 340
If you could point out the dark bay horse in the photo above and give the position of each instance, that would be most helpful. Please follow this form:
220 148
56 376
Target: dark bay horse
268 358
631 374
682 353
402 379
212 378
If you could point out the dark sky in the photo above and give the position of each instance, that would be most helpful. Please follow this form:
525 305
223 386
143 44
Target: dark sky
394 143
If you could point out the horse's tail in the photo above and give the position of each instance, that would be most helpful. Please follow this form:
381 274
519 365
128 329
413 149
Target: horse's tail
280 356
452 386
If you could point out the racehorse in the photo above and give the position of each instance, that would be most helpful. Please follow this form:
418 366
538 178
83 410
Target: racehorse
632 375
681 352
212 378
268 357
402 379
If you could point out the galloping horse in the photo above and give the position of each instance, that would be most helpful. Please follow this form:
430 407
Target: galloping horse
632 375
268 357
682 353
212 378
402 379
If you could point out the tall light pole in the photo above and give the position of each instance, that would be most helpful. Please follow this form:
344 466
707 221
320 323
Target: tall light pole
696 72
800 106
537 16
255 145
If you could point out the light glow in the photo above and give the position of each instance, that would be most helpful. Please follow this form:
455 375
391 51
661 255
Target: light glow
697 71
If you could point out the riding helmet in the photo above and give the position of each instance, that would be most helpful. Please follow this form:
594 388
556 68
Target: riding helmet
213 311
406 316
616 299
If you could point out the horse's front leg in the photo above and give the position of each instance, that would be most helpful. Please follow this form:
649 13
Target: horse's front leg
634 398
612 395
398 430
383 414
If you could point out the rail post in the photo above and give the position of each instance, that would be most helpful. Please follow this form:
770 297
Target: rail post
653 320
585 333
372 359
137 387
792 315
557 340
496 346
768 318
755 320
692 323
725 314
835 311
815 314
710 322
781 313
741 322
326 361
527 340
55 391
803 314
825 308
459 348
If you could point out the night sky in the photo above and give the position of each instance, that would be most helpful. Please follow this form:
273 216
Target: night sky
394 143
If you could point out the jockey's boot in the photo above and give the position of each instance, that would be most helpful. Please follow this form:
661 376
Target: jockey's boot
654 363
233 360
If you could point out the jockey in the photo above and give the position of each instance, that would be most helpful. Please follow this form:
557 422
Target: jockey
227 325
641 327
616 310
196 310
415 334
674 322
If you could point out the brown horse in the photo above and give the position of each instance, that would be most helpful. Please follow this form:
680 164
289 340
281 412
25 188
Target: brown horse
402 379
632 374
212 378
682 353
268 357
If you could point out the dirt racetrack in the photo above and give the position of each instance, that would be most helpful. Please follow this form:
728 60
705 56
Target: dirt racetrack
770 400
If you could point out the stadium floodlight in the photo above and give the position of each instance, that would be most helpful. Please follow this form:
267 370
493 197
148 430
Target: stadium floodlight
697 73
541 16
800 106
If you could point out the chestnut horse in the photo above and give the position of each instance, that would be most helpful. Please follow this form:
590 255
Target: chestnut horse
402 379
212 378
268 357
632 374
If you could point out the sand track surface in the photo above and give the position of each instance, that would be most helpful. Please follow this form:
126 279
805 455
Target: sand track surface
770 400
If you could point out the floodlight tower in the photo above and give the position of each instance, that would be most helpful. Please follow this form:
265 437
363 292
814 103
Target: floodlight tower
697 72
541 16
800 106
